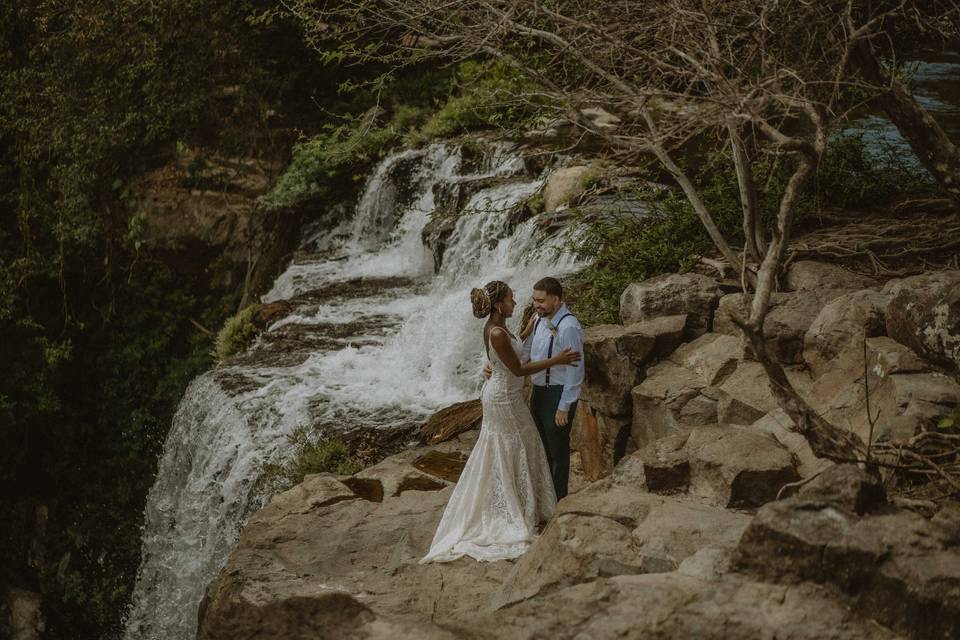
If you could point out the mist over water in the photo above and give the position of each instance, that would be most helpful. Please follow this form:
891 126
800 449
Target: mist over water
400 349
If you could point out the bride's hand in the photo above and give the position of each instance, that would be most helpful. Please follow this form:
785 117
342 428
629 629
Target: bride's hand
527 330
567 356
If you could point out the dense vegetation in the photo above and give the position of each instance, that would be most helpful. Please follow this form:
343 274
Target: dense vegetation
97 344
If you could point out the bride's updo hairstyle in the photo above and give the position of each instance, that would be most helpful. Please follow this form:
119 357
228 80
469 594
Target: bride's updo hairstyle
484 299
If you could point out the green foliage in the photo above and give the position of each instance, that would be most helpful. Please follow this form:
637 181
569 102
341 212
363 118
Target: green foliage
487 95
535 203
628 247
310 456
855 173
237 334
951 422
324 162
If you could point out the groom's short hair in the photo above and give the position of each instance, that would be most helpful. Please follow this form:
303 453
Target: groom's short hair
550 286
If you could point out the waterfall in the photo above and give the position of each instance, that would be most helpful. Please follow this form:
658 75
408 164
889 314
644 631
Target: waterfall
393 352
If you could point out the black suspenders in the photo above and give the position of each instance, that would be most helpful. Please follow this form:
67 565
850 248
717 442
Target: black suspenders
550 347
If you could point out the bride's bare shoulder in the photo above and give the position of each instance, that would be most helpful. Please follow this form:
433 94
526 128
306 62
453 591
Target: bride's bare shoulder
499 336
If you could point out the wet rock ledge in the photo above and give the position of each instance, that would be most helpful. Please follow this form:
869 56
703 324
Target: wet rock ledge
674 528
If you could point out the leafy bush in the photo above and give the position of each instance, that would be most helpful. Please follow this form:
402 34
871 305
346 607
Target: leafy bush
855 172
625 248
487 95
310 456
236 335
340 155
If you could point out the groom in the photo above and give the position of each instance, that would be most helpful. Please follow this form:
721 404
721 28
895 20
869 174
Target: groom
555 390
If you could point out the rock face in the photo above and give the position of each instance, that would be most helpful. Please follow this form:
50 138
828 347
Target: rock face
897 567
924 314
673 605
564 186
613 529
787 321
676 531
614 356
672 294
809 275
201 215
722 465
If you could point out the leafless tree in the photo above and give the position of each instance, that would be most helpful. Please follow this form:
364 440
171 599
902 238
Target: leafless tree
767 76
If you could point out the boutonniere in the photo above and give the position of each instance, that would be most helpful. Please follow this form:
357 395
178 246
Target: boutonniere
552 328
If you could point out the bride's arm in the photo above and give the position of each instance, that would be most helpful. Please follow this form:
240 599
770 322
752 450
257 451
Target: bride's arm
501 344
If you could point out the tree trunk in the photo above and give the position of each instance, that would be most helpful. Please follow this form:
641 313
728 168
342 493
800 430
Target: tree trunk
752 229
927 138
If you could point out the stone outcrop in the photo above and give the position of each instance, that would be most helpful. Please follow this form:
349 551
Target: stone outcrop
564 186
897 567
786 324
674 529
924 314
671 294
614 356
674 605
722 465
612 529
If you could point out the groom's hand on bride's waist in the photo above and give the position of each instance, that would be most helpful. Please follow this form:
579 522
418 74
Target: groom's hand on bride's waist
487 370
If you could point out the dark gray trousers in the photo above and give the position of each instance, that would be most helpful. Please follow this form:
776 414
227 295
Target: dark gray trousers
556 440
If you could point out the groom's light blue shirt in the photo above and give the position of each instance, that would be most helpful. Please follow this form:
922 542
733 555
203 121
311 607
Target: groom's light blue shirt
537 344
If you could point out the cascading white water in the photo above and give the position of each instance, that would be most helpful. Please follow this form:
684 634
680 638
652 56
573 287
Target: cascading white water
410 347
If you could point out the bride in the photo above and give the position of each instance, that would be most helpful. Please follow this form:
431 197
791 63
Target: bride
505 488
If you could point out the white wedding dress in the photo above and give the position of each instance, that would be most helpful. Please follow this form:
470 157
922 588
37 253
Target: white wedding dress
505 488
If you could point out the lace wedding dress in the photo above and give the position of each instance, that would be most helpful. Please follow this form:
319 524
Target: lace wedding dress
505 488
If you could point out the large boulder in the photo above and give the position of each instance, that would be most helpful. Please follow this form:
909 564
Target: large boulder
810 275
783 429
896 567
667 401
788 319
840 328
672 294
564 186
703 382
906 392
924 314
712 357
722 465
615 354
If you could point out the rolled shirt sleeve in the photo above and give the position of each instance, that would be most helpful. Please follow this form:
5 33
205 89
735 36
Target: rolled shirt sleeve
571 335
